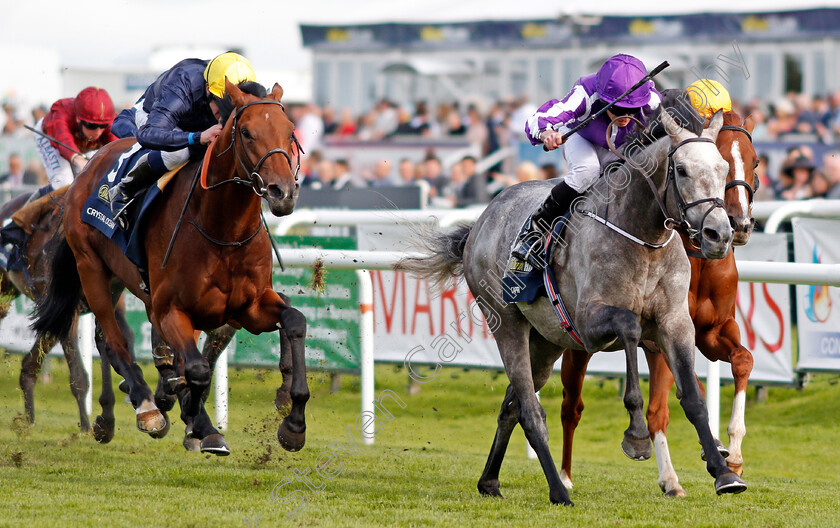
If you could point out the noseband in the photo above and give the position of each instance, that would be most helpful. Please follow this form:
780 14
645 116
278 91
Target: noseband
255 179
671 176
735 183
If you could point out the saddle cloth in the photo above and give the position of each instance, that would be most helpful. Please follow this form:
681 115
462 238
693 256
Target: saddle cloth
523 283
97 209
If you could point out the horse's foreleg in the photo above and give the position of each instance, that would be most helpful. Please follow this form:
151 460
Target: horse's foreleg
96 285
604 325
676 339
270 313
177 330
283 398
78 376
572 372
658 417
30 366
728 345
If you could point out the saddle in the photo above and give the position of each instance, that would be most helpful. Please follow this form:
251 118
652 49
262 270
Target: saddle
97 209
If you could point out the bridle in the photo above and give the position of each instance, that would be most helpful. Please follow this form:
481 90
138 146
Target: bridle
682 224
255 179
734 183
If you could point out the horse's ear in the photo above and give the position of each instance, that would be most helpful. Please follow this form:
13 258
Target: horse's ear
277 92
714 125
749 123
671 126
237 97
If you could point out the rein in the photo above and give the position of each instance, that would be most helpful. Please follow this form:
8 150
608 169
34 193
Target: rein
735 183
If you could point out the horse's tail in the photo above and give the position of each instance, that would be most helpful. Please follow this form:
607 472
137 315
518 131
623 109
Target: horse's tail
56 309
442 258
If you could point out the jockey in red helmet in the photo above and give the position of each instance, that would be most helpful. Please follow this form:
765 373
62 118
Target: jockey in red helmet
586 151
83 122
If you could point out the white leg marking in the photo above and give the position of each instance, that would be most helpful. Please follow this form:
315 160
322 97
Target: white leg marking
737 429
668 480
738 161
146 405
565 479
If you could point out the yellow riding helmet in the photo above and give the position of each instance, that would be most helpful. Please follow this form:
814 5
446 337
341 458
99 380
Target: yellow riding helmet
231 65
708 96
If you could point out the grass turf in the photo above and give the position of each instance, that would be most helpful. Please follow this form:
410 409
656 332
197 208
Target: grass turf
422 470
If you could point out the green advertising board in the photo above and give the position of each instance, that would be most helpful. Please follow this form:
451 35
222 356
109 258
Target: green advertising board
332 315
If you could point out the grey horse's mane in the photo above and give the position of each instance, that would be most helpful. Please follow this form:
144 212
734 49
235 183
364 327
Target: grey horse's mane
678 106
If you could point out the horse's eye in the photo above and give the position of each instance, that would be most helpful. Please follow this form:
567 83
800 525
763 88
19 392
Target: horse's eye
246 133
681 171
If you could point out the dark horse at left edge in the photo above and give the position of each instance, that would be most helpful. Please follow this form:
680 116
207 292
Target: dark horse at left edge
219 271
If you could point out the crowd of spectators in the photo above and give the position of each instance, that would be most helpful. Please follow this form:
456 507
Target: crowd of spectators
795 119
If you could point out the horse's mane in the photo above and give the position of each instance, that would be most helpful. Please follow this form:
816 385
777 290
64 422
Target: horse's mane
226 105
678 106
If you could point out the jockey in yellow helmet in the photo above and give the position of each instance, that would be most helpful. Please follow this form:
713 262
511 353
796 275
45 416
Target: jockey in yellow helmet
708 96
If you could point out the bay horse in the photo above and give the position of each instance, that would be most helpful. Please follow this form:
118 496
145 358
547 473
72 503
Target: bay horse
32 282
219 270
617 291
711 300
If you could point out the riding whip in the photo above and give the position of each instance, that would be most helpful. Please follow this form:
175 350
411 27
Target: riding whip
65 145
598 114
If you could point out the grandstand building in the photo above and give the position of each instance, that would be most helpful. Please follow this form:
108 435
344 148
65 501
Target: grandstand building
762 55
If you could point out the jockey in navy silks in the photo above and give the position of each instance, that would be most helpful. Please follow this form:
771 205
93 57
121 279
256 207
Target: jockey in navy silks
586 152
178 113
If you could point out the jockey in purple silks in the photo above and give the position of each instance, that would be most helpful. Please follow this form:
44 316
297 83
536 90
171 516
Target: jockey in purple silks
586 152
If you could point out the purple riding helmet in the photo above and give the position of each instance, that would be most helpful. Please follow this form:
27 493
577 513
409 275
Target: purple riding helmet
619 73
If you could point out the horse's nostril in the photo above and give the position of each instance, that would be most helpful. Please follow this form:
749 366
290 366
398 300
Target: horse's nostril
732 222
711 234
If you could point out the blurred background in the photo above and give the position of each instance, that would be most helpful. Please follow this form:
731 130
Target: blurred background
427 103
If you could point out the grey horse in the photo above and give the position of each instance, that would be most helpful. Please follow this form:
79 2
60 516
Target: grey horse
622 278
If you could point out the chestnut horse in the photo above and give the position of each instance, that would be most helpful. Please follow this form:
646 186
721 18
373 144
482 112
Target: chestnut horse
33 282
711 298
218 272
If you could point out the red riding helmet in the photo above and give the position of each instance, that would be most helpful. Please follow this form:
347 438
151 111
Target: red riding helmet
94 105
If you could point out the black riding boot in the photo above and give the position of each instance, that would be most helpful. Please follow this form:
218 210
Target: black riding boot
122 194
532 236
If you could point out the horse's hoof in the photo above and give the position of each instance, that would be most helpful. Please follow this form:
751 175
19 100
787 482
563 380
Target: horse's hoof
676 492
165 402
215 444
163 432
282 402
722 449
490 488
151 421
636 448
191 444
290 440
564 500
103 430
729 483
123 386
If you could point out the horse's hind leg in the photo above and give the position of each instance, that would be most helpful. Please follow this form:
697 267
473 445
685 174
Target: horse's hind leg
216 342
29 368
572 373
658 417
543 356
78 375
98 294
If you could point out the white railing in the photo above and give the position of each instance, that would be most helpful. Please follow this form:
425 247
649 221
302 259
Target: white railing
364 261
